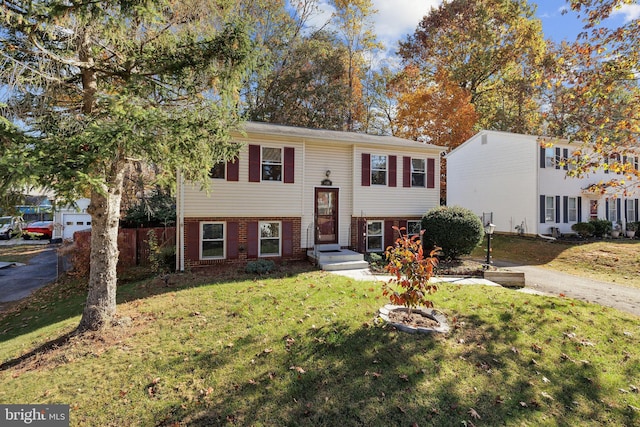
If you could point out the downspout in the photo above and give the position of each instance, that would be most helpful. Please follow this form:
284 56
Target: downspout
179 221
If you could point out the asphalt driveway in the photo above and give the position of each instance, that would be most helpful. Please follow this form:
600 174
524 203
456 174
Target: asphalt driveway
562 284
17 282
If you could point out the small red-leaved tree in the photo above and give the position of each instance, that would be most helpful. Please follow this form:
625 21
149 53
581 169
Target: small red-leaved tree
412 271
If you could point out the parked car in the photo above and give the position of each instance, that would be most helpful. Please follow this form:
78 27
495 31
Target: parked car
38 230
10 226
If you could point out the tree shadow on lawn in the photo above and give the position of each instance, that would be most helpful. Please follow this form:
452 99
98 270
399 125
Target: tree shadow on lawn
65 298
376 376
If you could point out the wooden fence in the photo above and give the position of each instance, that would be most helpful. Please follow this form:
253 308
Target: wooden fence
133 243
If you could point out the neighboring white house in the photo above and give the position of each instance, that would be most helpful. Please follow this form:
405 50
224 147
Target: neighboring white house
68 220
525 186
293 188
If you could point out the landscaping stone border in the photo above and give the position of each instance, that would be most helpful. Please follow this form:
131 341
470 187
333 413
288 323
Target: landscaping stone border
428 312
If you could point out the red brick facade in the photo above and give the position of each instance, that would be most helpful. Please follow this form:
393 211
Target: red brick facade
240 240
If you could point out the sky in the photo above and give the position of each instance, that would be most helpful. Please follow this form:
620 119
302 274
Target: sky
398 18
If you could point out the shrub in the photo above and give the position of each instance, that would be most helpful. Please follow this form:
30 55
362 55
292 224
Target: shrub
411 271
456 230
162 258
584 229
601 227
261 266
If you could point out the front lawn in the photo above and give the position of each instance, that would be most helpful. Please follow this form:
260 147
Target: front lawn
307 350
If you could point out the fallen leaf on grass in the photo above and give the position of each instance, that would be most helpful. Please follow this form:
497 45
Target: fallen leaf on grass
298 369
546 395
474 414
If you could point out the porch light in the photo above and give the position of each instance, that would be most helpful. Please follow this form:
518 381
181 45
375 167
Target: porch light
489 229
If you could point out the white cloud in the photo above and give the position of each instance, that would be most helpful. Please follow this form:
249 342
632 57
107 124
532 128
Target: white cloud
395 19
629 11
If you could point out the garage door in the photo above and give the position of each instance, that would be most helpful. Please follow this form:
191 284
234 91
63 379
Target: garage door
74 222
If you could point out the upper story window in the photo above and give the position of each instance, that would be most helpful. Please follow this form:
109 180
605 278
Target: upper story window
418 172
378 170
271 164
549 157
218 171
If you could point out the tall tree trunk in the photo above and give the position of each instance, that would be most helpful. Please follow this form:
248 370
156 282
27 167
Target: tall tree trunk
100 306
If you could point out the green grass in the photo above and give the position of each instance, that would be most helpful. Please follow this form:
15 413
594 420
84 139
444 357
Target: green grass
306 350
616 261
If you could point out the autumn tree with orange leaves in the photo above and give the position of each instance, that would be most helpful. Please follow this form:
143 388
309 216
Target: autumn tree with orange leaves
434 110
593 96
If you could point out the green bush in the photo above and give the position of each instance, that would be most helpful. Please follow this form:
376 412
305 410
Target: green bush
456 230
261 266
601 227
584 229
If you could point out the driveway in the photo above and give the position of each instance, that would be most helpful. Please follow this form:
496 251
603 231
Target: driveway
17 282
555 283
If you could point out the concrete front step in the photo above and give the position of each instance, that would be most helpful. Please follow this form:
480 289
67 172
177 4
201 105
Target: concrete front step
345 265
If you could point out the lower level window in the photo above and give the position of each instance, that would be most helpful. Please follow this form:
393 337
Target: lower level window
375 236
212 240
270 238
413 228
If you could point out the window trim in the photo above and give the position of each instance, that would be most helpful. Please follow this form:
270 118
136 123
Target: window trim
223 240
381 235
612 208
409 235
573 210
423 173
264 163
260 239
385 170
224 171
551 209
630 209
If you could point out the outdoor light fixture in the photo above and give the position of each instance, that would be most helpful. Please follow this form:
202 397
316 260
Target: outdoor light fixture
488 229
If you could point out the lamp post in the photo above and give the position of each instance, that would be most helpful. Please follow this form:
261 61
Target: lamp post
488 229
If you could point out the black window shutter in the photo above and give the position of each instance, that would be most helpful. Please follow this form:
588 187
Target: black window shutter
565 209
579 209
542 209
557 209
542 159
606 210
619 208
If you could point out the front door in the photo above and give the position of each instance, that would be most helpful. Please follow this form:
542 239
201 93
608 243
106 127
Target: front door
326 215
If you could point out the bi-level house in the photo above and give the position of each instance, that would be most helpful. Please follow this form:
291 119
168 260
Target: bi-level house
523 183
294 193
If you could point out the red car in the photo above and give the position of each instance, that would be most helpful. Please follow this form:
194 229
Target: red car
38 230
